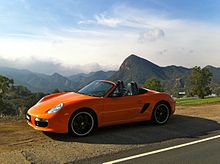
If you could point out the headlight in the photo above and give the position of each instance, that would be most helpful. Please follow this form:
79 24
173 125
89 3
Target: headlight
56 108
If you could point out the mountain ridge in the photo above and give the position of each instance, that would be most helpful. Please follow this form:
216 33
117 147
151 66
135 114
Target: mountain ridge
134 65
132 68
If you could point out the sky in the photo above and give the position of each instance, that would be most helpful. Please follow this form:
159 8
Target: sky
73 36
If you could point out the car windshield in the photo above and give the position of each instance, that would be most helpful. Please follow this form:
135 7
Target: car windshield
96 88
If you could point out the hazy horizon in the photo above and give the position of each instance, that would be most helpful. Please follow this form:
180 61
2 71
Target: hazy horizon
51 67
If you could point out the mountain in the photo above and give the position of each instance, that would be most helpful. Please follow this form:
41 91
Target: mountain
138 69
37 82
173 72
98 74
215 73
173 78
177 78
133 68
83 79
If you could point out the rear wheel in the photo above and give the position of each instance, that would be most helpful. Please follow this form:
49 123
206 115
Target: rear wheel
161 114
82 123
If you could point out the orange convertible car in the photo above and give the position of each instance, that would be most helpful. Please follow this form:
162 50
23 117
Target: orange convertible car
101 103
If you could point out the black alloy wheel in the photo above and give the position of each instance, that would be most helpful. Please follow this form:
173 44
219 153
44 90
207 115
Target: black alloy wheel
82 123
161 114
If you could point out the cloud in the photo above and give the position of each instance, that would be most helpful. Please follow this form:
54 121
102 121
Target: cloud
191 51
49 66
86 22
151 35
90 41
111 22
163 52
102 19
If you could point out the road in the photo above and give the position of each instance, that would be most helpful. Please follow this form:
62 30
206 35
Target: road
207 152
195 150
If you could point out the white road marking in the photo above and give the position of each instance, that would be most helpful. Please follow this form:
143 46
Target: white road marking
162 150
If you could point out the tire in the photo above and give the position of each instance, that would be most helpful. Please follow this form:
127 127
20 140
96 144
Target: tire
82 123
161 114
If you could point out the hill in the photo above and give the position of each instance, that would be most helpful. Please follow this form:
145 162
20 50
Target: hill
173 78
37 82
83 79
215 72
139 69
133 68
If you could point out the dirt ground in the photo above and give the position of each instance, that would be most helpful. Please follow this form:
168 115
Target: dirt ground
208 111
27 145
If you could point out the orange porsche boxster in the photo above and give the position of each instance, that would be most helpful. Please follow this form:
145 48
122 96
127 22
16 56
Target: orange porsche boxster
100 103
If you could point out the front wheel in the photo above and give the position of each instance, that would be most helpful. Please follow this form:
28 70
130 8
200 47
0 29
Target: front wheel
82 123
161 114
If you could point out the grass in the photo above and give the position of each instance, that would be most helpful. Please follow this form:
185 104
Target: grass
197 101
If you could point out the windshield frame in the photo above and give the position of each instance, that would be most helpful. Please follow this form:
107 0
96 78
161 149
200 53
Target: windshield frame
113 85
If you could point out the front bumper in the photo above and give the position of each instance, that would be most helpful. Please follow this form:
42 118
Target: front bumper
49 122
41 122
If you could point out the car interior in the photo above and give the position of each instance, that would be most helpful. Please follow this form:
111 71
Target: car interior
131 89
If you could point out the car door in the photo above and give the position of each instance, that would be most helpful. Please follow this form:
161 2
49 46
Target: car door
120 109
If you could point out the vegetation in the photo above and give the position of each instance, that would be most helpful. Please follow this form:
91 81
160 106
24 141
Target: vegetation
56 90
4 86
153 84
15 100
197 101
200 81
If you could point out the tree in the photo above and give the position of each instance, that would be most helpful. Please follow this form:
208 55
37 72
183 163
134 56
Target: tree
217 91
5 84
200 81
33 99
56 90
153 84
15 99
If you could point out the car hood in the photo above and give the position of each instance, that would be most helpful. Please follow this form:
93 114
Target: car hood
50 101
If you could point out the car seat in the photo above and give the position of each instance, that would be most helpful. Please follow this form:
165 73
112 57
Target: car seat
121 87
132 88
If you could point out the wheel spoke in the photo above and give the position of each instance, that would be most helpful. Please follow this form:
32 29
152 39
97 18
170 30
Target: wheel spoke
82 123
161 113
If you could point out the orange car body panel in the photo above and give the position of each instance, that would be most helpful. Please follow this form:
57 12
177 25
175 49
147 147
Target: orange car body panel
109 110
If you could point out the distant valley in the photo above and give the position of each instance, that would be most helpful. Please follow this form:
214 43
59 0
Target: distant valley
133 68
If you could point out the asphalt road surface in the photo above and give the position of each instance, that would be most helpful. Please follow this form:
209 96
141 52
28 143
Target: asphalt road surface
197 151
206 152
